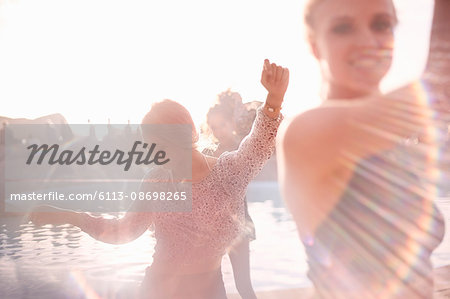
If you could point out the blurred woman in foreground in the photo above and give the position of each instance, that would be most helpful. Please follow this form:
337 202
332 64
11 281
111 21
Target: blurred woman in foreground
356 172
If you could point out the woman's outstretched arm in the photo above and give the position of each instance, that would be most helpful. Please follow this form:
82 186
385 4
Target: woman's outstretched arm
129 227
115 231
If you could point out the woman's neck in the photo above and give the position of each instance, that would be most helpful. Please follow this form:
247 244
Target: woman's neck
334 92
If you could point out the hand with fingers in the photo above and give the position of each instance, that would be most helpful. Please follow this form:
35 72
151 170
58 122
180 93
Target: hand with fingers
275 79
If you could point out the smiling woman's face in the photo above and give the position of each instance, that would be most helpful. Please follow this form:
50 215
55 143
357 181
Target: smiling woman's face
353 41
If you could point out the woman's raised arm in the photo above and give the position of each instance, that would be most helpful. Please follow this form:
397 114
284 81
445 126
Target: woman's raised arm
242 165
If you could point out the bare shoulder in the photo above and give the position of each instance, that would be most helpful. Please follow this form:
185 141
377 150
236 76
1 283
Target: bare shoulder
312 129
360 127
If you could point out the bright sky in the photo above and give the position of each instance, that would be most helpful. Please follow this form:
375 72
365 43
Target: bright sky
100 59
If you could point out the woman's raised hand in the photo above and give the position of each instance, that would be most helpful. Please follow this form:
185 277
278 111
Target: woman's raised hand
275 79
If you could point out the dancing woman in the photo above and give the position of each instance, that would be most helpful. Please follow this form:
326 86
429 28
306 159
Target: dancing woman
190 246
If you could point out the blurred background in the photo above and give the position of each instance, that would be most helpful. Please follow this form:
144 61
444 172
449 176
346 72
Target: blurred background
103 60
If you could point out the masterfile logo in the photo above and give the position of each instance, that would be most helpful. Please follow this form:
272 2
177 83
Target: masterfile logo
98 168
